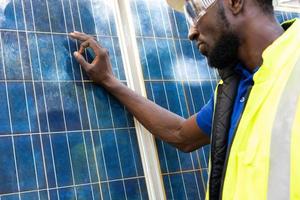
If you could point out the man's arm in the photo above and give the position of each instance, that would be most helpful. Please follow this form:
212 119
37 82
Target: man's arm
179 132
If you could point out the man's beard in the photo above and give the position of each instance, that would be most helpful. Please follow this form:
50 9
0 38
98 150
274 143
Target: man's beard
225 52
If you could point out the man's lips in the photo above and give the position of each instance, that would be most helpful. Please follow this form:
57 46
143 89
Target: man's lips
199 43
202 47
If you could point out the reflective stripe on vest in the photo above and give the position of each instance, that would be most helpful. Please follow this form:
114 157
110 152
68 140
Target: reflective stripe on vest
264 158
279 175
295 158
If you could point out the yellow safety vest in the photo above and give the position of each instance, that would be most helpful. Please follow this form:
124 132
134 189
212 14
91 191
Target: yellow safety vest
264 158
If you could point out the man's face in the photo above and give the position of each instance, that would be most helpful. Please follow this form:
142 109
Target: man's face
215 39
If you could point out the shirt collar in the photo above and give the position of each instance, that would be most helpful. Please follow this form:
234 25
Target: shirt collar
244 72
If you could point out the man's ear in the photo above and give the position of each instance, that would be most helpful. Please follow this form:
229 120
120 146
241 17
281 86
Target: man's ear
236 6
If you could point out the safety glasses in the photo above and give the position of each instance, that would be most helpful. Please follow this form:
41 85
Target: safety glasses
195 9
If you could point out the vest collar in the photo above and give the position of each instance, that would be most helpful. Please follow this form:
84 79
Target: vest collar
277 52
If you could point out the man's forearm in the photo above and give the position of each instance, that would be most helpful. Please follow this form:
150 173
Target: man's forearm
159 121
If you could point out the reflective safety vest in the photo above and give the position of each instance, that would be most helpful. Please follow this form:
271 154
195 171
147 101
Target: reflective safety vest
263 161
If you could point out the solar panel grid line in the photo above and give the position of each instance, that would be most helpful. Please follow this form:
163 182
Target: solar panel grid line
53 164
134 158
181 107
62 132
10 121
38 189
70 186
184 171
36 107
80 117
22 71
44 99
47 120
110 31
34 93
49 81
62 106
164 87
81 72
112 116
118 152
172 62
101 143
146 60
111 109
88 116
131 147
81 29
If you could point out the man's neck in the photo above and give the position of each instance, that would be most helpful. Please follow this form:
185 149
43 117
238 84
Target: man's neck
258 34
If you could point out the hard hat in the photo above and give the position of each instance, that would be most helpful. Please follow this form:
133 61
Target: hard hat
176 4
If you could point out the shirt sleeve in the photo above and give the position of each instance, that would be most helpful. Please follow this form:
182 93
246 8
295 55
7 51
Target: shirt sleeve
204 116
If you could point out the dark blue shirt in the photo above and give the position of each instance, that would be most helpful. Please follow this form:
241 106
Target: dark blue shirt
204 116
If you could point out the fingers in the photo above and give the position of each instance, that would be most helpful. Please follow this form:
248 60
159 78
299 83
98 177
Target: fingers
80 59
87 41
79 36
92 44
83 46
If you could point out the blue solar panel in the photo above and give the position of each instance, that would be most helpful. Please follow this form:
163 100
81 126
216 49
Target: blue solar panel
61 136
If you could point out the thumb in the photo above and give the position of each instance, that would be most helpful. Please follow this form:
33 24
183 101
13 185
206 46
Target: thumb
80 59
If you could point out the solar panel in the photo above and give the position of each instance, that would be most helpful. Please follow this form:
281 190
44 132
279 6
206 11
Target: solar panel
61 136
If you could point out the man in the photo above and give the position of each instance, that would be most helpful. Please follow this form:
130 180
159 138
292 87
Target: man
253 119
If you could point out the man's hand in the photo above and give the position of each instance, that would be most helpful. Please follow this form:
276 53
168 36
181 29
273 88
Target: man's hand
100 69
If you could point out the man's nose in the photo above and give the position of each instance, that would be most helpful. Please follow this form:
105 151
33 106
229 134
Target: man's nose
193 33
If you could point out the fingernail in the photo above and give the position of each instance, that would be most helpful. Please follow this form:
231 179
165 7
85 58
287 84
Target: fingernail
75 53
